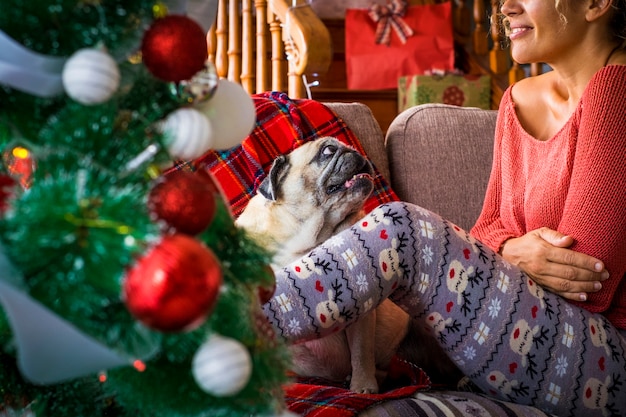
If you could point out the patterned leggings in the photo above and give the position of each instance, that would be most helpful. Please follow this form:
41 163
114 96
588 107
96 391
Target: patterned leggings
514 340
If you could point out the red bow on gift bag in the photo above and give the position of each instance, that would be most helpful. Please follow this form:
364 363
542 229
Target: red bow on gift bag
390 16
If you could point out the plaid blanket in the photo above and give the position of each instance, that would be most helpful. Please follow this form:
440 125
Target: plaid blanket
282 125
315 397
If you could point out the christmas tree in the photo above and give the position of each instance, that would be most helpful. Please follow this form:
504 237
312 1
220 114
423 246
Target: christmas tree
125 288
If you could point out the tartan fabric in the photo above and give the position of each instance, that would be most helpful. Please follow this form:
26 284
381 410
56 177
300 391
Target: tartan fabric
316 397
282 125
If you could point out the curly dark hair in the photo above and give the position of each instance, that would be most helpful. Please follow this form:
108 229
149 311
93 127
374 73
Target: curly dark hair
618 21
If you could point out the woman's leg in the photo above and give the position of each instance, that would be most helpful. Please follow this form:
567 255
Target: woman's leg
513 340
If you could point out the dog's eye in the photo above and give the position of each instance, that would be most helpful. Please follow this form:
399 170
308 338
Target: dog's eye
329 150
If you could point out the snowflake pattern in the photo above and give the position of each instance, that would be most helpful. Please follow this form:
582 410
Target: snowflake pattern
361 282
294 327
427 255
561 365
423 211
336 241
494 308
470 353
458 360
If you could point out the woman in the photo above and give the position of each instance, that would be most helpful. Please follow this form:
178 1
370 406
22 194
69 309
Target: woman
554 215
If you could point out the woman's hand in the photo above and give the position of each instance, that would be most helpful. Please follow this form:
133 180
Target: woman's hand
543 255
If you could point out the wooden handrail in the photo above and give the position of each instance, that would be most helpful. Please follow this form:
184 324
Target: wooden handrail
269 44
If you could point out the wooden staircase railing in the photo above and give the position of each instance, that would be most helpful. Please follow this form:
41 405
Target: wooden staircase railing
269 45
486 51
279 45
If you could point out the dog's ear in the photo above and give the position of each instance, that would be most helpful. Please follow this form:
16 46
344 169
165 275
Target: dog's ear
270 186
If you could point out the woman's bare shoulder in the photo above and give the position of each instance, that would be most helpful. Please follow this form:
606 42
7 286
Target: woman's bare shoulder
528 90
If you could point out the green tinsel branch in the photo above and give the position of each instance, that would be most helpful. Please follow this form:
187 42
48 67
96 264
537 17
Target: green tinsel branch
84 221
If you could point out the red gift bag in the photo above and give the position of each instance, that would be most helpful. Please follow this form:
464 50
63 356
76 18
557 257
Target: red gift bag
373 66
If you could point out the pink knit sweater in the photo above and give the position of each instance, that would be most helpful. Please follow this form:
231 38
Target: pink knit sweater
574 182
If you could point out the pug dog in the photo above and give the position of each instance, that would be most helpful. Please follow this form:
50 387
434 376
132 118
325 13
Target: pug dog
309 195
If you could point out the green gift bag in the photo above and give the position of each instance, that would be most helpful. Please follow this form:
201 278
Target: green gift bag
459 90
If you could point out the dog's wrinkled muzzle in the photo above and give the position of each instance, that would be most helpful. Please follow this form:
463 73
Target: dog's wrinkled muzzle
347 170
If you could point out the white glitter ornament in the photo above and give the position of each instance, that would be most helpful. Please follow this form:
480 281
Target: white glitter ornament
188 133
222 366
91 76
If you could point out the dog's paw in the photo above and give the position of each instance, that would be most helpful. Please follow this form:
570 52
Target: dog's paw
364 386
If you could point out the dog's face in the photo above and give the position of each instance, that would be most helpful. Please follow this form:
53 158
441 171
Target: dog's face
323 175
315 191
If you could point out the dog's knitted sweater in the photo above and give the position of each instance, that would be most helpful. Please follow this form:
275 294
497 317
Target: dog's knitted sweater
575 183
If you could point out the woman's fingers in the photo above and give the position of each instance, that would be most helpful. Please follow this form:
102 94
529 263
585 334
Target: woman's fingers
576 265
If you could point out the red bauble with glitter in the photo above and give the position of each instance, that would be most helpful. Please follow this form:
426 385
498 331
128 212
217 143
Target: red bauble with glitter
184 201
174 48
174 286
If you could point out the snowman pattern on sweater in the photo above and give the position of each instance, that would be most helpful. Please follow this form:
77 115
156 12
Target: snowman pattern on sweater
513 339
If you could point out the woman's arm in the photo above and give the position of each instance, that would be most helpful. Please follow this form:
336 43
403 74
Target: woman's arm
546 255
595 209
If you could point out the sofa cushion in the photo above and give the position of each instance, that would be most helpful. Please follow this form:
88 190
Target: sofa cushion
440 158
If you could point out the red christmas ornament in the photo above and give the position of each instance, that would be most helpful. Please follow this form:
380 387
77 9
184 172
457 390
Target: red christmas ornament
174 48
184 200
174 286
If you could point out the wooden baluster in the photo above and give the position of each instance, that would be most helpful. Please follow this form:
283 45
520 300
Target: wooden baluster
462 19
221 36
295 85
262 67
536 69
278 67
234 42
516 72
480 31
498 58
211 44
247 58
307 42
